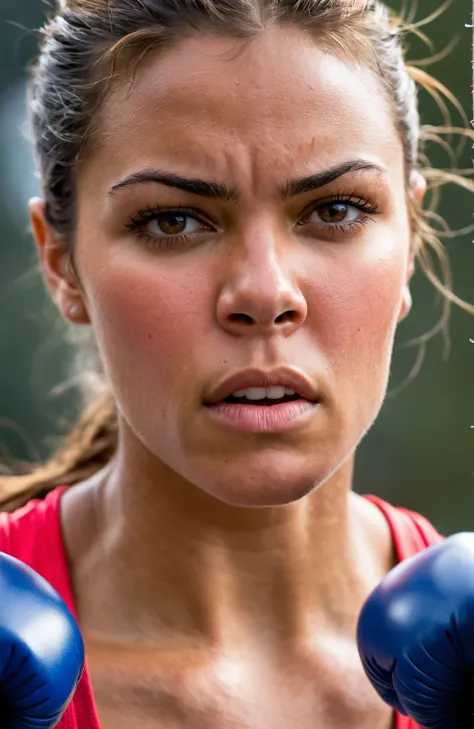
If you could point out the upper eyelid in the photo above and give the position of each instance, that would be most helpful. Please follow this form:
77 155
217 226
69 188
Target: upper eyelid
357 201
147 216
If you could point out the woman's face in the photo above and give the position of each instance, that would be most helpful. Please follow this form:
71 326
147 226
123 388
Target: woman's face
242 253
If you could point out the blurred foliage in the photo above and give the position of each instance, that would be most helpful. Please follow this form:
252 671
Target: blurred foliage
420 452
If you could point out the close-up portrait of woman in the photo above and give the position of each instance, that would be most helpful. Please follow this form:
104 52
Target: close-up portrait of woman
234 199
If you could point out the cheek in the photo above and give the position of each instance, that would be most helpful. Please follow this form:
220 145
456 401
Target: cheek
147 324
358 309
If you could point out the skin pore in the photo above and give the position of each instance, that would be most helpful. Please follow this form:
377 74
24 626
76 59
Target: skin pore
194 599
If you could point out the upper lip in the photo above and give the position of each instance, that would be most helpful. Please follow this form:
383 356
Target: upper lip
281 377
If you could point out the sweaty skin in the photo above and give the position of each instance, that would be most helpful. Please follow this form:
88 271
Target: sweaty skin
219 575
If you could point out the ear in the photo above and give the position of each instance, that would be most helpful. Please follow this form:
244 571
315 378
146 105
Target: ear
417 187
406 304
56 266
417 191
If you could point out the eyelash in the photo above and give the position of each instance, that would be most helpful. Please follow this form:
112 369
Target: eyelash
148 215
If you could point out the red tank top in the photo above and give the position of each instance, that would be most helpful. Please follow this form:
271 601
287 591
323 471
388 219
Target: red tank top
33 535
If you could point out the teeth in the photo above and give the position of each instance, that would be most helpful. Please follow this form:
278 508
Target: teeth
275 393
260 393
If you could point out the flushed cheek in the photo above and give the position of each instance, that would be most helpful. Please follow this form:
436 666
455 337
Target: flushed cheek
357 316
149 324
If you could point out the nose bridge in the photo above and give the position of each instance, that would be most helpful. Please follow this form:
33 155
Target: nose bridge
262 261
261 291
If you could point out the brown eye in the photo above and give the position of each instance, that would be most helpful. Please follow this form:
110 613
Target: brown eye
171 223
335 212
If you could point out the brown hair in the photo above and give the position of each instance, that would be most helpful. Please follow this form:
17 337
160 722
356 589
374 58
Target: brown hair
88 43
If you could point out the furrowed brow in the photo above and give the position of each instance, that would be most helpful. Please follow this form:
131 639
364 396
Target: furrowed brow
203 188
320 179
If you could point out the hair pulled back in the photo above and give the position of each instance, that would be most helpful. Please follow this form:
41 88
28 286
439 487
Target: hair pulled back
88 45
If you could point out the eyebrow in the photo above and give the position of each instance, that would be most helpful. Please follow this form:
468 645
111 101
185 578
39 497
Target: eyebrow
212 189
320 179
221 191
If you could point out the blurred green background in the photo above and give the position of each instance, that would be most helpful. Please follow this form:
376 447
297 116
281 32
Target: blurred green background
419 454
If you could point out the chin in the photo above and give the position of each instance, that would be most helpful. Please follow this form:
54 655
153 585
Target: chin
264 498
263 485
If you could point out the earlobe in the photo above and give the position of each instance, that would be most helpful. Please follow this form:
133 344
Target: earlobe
418 186
406 304
407 301
55 265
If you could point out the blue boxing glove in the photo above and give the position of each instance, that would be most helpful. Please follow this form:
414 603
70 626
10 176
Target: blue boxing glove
41 650
416 636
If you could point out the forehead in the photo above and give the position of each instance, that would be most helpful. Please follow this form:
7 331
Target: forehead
221 105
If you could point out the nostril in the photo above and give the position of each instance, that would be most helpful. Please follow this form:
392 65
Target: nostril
241 318
287 316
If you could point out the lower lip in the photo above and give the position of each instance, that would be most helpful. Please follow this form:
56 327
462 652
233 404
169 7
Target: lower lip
263 418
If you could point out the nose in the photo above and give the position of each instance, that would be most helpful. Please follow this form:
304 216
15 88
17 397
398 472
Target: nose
261 296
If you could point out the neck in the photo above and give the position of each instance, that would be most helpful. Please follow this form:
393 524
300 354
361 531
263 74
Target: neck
171 561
